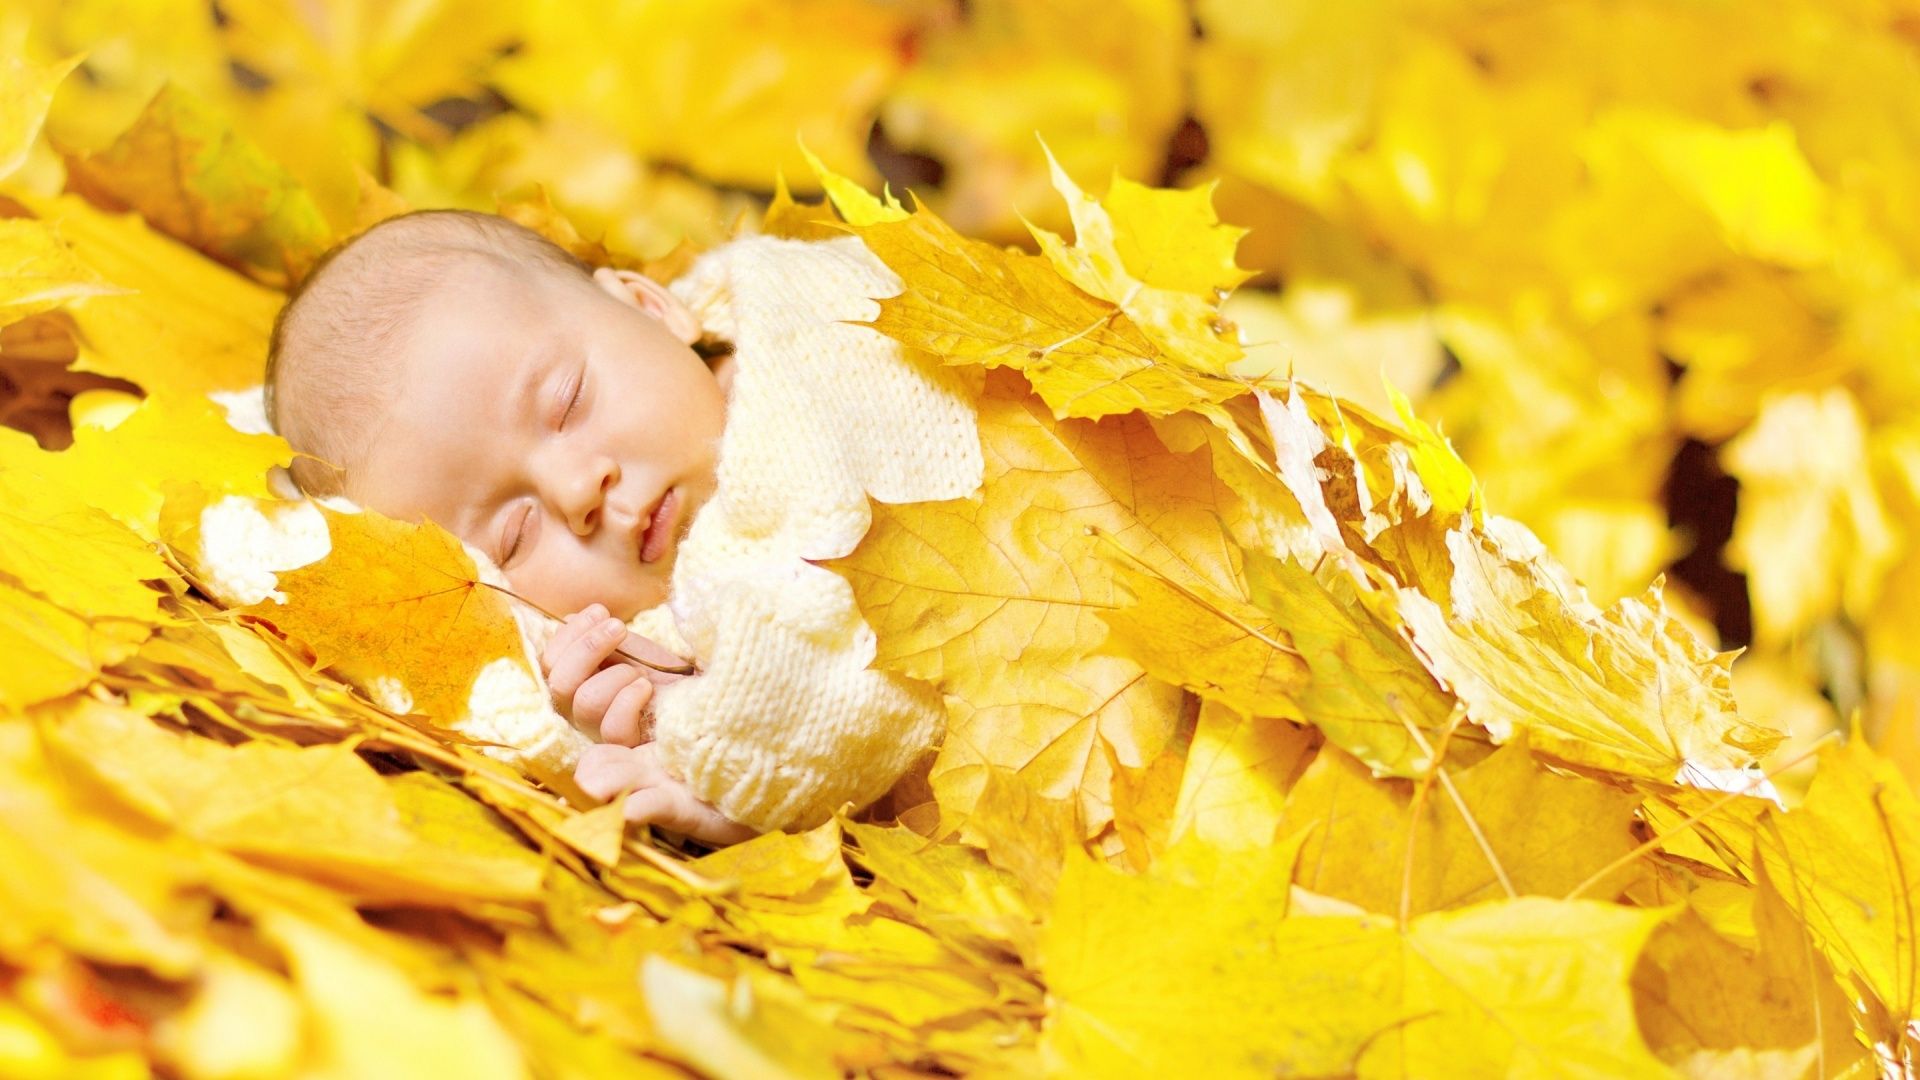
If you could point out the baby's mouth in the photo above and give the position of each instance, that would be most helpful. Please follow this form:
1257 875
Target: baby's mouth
659 531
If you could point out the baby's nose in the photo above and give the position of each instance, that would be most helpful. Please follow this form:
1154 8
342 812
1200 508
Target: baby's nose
585 493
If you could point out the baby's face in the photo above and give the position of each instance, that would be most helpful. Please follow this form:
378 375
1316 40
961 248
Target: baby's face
562 426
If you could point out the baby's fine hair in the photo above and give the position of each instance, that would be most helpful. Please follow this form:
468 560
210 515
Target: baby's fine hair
330 376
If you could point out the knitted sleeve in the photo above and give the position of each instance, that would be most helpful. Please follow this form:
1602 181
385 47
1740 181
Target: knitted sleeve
787 721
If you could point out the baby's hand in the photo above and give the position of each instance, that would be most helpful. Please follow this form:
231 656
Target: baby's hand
602 694
658 798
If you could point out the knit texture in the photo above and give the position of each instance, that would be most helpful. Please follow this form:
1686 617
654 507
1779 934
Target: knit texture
787 721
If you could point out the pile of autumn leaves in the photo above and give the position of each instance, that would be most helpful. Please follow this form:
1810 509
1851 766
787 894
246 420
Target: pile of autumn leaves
1273 750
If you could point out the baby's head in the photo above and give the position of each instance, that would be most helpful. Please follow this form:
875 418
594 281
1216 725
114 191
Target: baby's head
460 367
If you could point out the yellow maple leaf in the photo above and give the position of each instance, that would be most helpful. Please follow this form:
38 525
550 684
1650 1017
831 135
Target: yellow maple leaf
1112 943
1238 771
47 651
1710 1005
69 552
185 324
317 810
1471 984
397 601
973 595
1024 832
955 888
781 864
967 301
41 271
1629 688
798 221
190 175
1461 992
598 833
1847 863
1207 639
855 203
1545 833
1292 647
1144 802
228 657
1160 256
166 440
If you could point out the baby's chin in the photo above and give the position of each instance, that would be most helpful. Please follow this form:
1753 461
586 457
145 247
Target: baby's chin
649 595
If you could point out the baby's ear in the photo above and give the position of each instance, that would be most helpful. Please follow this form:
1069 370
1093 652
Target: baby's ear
651 297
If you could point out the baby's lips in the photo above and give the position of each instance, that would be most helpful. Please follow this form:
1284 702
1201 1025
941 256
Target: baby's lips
644 521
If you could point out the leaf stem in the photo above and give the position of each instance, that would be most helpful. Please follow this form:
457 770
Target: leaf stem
682 668
1439 772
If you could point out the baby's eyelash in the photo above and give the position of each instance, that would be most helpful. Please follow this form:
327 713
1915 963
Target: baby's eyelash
578 387
519 532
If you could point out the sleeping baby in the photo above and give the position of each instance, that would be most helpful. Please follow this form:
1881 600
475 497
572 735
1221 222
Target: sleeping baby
672 501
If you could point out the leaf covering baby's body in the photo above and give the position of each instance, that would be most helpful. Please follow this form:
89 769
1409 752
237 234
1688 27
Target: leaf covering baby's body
996 600
1124 319
1629 689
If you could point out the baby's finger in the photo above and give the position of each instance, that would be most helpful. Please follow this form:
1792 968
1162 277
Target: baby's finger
605 771
581 660
627 720
597 696
667 807
570 630
674 808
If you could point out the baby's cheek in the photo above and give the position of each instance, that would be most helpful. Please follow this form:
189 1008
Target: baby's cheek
565 574
551 586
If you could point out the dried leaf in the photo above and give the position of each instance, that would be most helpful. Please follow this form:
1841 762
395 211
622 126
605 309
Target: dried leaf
400 602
